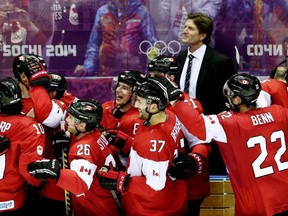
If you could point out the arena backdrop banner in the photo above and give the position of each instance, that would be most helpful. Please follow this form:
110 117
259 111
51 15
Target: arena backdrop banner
98 36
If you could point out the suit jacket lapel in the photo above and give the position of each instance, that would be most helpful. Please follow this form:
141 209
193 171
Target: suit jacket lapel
181 61
204 69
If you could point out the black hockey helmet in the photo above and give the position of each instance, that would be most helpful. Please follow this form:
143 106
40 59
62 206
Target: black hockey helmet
130 77
244 85
27 63
89 111
164 64
58 83
10 97
153 93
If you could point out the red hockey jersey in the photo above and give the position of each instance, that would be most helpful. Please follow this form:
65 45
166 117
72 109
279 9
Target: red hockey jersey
254 147
86 156
27 144
150 189
273 92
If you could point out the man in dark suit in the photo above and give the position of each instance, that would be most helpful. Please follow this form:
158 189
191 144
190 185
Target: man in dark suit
208 73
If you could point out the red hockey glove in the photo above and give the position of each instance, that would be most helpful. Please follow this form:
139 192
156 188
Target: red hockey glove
4 145
187 165
41 78
112 179
43 169
119 139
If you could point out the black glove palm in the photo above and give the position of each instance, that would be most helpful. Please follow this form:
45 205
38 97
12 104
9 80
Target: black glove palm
43 169
186 166
172 89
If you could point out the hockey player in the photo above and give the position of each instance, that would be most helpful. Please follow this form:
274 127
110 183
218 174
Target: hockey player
253 145
120 113
252 142
274 89
31 72
198 185
32 76
149 188
57 89
87 153
24 143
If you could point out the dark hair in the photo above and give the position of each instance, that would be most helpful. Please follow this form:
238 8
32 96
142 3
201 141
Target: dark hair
204 24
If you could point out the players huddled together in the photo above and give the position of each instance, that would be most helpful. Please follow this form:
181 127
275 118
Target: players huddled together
144 153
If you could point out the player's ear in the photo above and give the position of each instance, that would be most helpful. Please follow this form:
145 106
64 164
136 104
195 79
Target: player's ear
82 126
52 94
154 107
237 100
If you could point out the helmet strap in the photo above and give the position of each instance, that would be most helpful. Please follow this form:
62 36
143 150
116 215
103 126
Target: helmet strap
147 121
78 132
117 113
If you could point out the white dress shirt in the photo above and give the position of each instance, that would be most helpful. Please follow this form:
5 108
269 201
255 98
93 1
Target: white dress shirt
196 65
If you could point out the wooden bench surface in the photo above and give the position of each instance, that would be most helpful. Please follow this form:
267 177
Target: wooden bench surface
221 199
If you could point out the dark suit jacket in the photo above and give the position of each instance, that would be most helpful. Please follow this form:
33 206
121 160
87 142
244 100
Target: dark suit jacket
216 68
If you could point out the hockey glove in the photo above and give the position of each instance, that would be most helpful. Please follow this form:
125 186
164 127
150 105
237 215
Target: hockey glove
112 179
119 139
39 78
43 169
172 89
187 165
4 145
60 141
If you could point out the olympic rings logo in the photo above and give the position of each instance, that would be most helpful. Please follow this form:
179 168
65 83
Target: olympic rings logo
159 48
